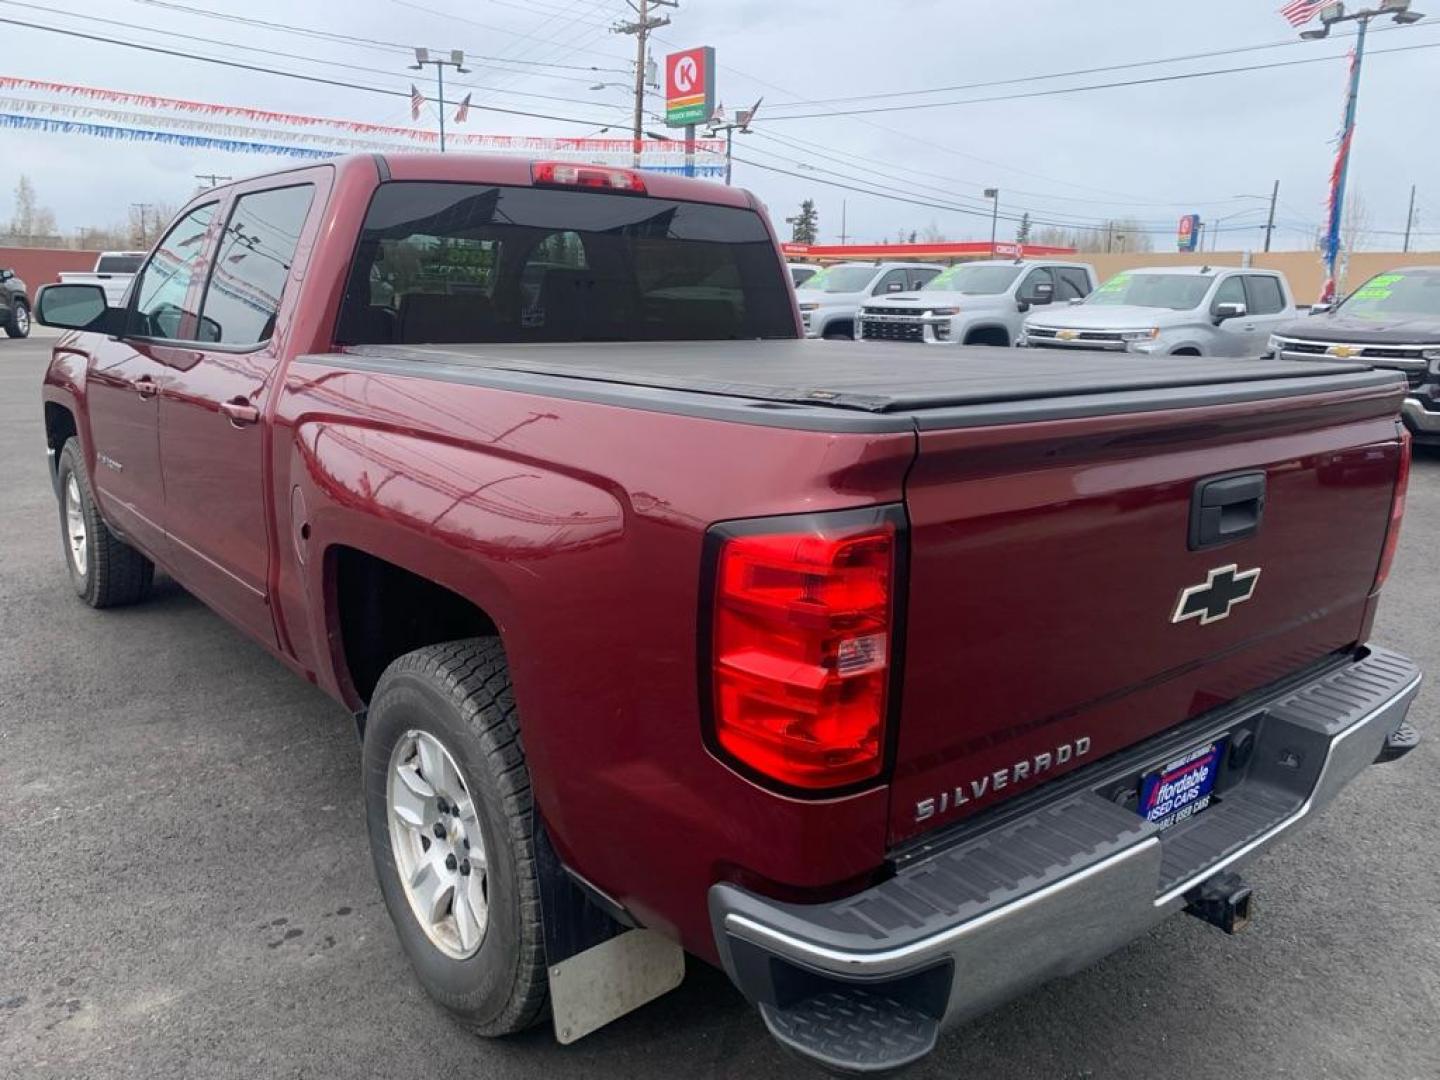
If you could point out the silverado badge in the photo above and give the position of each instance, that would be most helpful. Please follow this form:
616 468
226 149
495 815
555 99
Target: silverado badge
1222 589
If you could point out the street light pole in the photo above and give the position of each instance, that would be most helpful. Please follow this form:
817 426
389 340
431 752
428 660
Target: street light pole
455 60
993 194
1330 15
1270 221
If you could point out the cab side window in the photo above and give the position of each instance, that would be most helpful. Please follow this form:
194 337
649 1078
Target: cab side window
242 297
892 282
919 278
1231 291
160 290
1039 276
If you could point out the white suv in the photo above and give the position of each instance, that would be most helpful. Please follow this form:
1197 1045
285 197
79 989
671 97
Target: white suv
974 303
831 299
1172 311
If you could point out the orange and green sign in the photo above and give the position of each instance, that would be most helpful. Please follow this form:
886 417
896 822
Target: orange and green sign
690 86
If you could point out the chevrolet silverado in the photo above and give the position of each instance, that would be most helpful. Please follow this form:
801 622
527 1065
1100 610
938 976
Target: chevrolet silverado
893 685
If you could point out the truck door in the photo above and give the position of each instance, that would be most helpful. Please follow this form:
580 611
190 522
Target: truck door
213 413
1232 336
126 376
1265 304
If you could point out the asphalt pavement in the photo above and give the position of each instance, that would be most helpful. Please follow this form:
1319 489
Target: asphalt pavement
186 890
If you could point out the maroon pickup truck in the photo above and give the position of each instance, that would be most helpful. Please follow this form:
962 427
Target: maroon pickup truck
894 683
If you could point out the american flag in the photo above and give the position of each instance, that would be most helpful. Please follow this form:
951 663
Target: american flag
1299 12
417 102
463 113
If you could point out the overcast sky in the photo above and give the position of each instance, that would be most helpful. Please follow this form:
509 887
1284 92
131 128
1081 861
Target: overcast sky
1149 152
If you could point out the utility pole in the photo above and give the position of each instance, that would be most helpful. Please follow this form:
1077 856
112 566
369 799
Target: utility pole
993 194
1409 219
1270 221
641 27
1330 15
210 179
842 223
455 60
144 208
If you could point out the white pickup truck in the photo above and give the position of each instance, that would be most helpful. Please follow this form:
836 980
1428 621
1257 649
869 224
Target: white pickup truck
1171 311
830 300
113 273
976 303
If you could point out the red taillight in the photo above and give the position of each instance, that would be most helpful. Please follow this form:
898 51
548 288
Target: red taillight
801 649
564 174
1397 511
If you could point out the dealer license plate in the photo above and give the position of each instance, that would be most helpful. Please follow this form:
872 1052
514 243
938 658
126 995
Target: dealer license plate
1182 788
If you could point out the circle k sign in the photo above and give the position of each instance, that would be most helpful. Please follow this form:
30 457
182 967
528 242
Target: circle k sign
690 86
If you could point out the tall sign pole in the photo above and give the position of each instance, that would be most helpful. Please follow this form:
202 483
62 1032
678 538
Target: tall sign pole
456 59
1340 174
1332 14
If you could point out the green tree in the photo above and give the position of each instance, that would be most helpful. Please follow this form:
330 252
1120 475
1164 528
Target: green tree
804 226
1022 232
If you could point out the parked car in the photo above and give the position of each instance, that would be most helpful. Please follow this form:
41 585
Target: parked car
800 273
113 271
1172 310
893 687
831 299
976 303
1391 321
14 305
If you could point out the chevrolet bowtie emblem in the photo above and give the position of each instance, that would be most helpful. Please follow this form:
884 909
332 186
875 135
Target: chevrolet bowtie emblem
1068 335
1344 352
1223 588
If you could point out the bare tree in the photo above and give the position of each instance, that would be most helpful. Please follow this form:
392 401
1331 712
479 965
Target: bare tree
1355 223
31 221
931 234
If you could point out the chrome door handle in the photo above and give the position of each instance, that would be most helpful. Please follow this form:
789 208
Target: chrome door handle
240 411
145 387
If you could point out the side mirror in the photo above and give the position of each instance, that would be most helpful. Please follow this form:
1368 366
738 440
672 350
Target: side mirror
1321 309
1227 311
76 307
1042 292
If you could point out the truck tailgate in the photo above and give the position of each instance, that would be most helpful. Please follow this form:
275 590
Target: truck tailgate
1048 560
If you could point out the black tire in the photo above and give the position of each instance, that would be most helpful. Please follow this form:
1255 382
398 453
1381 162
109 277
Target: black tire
115 573
459 692
19 324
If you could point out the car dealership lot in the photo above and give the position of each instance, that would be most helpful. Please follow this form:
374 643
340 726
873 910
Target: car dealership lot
185 886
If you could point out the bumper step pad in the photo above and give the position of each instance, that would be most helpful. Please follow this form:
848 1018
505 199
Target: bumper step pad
853 1030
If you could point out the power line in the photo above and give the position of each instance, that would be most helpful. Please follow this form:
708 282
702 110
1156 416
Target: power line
318 79
1057 91
1127 66
328 35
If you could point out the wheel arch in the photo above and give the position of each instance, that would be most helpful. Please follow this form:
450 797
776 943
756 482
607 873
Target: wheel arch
987 329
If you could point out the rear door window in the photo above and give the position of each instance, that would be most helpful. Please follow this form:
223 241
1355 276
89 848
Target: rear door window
1071 283
1264 295
484 263
242 297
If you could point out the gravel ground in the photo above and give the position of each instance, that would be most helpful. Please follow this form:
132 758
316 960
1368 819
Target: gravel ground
185 888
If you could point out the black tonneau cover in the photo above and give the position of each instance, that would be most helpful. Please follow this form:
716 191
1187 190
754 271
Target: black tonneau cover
900 382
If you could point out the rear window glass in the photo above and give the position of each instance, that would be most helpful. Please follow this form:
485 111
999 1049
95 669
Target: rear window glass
118 264
459 263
